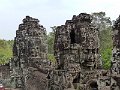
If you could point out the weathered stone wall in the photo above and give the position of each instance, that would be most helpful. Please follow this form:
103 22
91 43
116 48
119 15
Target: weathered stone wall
78 36
77 52
115 64
5 75
30 55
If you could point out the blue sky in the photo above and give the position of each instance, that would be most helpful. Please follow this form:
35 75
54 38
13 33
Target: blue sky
49 12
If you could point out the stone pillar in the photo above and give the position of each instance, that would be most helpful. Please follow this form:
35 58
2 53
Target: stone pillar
29 51
115 63
77 50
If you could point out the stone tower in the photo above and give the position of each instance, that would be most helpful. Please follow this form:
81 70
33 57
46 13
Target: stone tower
116 47
77 54
29 53
115 64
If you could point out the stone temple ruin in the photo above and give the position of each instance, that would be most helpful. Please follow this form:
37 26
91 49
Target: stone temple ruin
30 56
77 53
115 68
76 49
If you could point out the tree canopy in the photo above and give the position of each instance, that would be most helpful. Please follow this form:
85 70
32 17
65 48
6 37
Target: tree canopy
5 51
104 24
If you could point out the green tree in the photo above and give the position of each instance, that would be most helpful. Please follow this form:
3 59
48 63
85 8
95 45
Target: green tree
50 42
101 21
5 51
106 47
105 27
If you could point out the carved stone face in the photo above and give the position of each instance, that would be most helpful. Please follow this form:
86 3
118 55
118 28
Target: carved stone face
89 57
